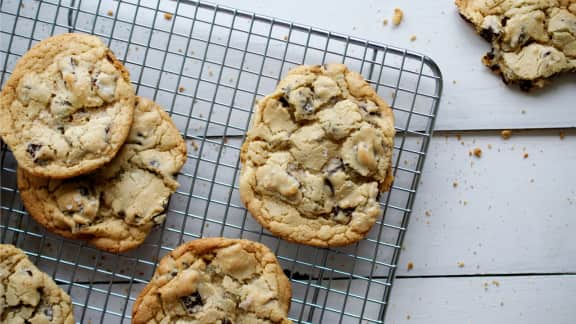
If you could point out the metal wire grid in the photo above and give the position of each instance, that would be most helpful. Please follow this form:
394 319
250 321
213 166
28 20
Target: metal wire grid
207 65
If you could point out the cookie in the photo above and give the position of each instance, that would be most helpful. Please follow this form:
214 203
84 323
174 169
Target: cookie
317 157
532 41
28 295
117 206
67 107
216 280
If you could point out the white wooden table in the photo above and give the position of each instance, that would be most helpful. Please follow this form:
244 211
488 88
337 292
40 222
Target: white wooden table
510 220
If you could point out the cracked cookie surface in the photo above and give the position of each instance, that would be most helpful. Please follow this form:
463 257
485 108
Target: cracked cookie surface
117 206
67 107
532 40
216 280
317 157
28 295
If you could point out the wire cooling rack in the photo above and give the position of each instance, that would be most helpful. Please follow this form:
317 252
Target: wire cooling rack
207 65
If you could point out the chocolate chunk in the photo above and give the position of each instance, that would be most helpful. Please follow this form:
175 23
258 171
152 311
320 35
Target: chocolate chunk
342 215
29 272
488 34
226 321
192 303
284 102
32 149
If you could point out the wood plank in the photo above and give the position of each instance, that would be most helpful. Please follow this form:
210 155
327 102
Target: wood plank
496 300
507 214
473 97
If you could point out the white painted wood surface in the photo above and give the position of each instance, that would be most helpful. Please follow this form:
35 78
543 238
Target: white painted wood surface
477 99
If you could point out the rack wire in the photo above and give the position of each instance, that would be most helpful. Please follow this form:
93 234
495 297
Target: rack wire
208 65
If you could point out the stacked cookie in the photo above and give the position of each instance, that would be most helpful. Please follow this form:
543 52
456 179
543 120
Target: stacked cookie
96 162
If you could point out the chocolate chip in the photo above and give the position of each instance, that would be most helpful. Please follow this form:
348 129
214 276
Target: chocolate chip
329 184
504 21
284 102
139 134
32 149
174 273
488 34
308 107
546 53
29 272
342 215
192 303
490 55
226 321
495 67
73 61
61 129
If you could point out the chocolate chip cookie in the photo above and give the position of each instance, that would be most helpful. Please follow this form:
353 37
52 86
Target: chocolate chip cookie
116 207
67 107
28 295
317 157
532 41
216 280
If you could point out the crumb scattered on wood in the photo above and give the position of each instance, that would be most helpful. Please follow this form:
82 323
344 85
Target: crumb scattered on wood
477 152
398 16
525 155
412 38
168 16
410 266
110 13
562 135
181 89
460 264
506 134
385 22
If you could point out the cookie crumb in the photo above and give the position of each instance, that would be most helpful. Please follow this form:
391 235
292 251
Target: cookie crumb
385 22
454 184
110 13
505 134
410 266
181 89
477 152
453 81
194 145
285 37
168 16
428 213
525 155
412 38
398 16
562 135
408 316
489 146
458 137
496 283
460 264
